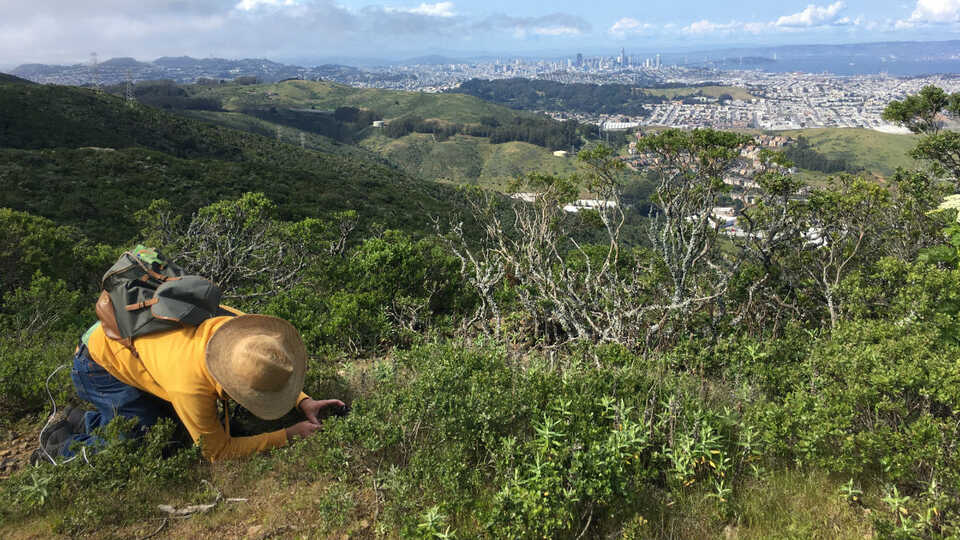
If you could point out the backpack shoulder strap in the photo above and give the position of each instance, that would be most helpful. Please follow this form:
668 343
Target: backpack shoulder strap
108 318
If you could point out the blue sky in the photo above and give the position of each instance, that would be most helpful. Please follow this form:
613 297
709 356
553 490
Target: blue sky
69 30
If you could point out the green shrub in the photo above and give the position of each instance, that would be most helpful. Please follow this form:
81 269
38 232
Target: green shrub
387 291
902 292
875 399
31 243
39 328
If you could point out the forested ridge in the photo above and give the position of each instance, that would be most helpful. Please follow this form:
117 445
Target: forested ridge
528 94
514 370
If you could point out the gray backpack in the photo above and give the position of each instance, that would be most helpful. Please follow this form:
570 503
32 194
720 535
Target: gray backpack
143 293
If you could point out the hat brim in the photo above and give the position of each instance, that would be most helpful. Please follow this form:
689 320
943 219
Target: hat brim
222 345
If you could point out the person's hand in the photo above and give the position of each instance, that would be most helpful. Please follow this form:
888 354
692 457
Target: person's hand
302 429
312 407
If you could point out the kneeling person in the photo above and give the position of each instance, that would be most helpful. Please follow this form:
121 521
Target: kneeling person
257 360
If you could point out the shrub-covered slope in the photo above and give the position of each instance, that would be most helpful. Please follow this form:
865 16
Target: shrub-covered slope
89 159
550 379
6 78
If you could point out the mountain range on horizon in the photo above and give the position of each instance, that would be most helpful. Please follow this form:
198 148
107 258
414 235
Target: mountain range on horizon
941 50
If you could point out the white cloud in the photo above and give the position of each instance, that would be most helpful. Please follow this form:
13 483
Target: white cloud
556 24
440 9
629 25
556 31
250 5
933 12
706 27
757 27
812 16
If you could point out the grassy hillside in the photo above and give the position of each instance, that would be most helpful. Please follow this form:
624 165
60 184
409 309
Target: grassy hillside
711 91
390 103
877 153
468 160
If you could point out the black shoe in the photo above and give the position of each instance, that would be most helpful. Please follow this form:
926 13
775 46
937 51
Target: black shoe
39 457
52 440
75 416
55 432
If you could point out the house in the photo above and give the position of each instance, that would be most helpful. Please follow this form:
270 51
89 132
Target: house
588 204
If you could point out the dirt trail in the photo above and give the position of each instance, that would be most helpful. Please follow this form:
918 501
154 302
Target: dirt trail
15 449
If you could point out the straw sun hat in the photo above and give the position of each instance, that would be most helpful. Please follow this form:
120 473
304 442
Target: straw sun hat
260 362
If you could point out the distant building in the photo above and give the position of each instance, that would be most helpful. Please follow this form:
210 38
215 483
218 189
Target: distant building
560 153
379 123
588 204
525 197
618 126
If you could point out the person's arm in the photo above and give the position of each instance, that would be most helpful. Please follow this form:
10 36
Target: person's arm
199 415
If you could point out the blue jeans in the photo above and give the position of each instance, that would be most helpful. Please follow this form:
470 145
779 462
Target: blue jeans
111 397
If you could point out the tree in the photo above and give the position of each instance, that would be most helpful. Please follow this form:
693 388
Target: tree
607 291
845 228
689 168
919 112
772 235
241 246
942 151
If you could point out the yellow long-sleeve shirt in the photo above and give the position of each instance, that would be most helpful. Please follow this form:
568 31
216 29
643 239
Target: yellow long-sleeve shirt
172 367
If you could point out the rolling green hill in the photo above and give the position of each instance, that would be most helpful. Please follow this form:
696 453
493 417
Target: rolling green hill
710 91
877 153
390 103
289 135
90 160
468 160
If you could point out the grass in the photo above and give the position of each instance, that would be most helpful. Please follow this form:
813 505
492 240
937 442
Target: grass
710 91
468 160
782 504
391 104
799 505
877 153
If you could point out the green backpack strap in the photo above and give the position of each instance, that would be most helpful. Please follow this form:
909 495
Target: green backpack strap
86 335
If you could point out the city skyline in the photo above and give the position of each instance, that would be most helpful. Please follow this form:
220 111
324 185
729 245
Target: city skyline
57 31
